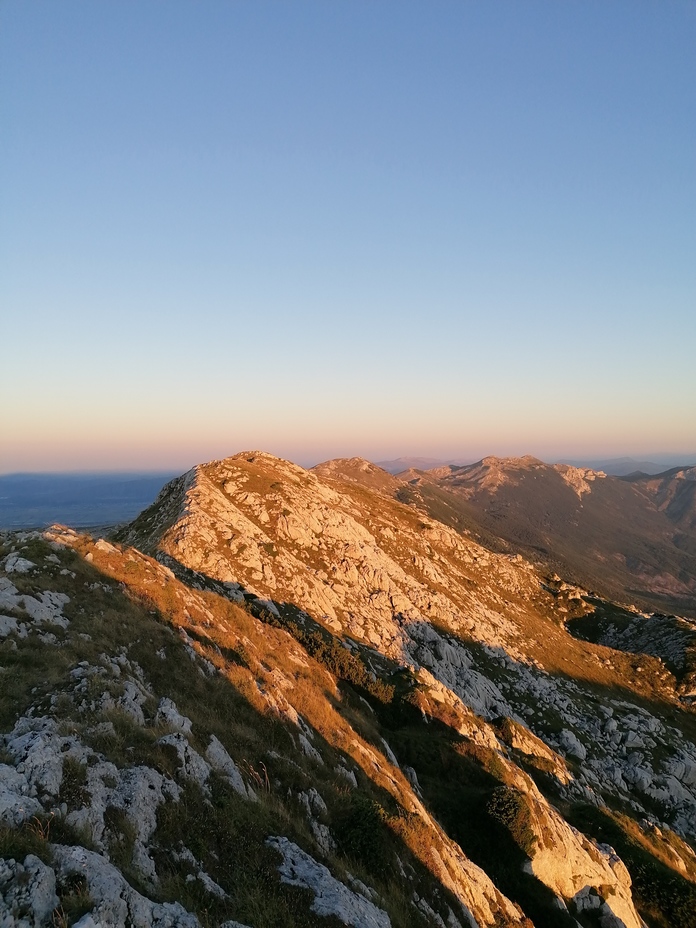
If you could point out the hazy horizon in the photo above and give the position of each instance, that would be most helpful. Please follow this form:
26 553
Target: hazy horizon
669 459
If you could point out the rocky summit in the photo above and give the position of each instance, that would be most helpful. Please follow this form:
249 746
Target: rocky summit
283 697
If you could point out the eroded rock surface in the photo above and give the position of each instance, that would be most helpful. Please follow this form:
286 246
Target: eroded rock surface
331 897
415 605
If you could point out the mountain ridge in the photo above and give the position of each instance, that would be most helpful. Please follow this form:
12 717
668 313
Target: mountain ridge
632 537
398 724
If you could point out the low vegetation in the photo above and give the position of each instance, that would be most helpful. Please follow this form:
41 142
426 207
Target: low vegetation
374 767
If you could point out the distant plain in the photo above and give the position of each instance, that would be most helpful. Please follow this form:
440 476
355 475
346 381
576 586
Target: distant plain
80 500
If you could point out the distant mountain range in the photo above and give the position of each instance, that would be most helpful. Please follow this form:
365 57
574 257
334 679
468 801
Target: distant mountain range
618 467
400 464
632 537
622 467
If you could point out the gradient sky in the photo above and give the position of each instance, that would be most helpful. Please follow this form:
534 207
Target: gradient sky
339 228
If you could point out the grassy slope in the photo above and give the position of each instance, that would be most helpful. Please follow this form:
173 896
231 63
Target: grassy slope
139 612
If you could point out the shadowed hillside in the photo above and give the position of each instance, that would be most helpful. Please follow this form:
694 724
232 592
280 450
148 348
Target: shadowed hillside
285 697
632 538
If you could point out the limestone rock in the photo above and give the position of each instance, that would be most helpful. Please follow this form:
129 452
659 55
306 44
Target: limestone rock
221 761
16 803
168 714
192 765
14 564
117 903
571 745
27 893
331 897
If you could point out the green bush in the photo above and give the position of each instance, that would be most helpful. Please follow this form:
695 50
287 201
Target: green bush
120 837
75 900
504 728
345 665
30 838
509 807
360 828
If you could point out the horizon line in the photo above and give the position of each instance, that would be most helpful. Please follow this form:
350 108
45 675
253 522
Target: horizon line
685 460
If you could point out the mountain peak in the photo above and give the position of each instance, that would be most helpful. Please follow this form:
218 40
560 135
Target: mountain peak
316 628
358 470
524 461
348 464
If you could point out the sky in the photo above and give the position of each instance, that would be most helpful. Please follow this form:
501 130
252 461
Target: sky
345 228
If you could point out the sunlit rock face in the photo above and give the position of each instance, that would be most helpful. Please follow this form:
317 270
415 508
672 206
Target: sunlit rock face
358 561
309 670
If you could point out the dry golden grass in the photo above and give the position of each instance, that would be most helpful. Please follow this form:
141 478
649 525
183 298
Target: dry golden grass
248 657
252 658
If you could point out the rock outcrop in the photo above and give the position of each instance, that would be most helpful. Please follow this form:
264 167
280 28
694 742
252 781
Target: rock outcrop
303 670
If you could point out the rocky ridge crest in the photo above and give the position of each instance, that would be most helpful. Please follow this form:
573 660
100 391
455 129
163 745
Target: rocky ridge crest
405 732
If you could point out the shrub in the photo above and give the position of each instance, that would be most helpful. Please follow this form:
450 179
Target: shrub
663 897
509 807
120 837
75 900
359 825
504 728
414 832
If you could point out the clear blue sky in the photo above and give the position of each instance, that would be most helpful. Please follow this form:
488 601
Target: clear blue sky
331 228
